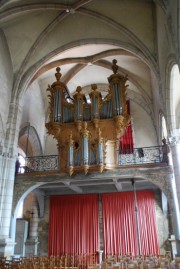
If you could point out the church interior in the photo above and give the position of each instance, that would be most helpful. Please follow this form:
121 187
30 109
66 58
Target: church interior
89 134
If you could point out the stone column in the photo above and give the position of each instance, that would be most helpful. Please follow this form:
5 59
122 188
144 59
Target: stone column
31 244
175 150
7 175
174 162
174 210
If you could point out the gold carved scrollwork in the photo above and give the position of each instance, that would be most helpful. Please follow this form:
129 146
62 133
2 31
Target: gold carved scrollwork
51 100
70 170
100 138
71 141
101 168
85 132
78 124
71 144
86 169
122 123
96 123
53 129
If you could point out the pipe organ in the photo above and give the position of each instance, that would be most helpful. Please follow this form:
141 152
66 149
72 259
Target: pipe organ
83 129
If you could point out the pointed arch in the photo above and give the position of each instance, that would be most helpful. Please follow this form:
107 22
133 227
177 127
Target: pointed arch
169 98
29 141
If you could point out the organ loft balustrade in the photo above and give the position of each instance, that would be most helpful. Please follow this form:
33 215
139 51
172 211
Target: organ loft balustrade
140 157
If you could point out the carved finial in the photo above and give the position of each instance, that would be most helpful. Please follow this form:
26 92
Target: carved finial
85 131
78 89
99 133
85 125
94 87
58 74
114 66
71 139
70 136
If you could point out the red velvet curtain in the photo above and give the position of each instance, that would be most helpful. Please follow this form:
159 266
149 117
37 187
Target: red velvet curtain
147 222
119 223
126 142
74 224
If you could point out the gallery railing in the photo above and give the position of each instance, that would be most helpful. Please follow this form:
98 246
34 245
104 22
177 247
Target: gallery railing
41 163
137 156
141 156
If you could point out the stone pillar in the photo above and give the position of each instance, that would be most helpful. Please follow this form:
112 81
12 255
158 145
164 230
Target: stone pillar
7 175
6 198
32 242
175 150
173 246
174 208
174 162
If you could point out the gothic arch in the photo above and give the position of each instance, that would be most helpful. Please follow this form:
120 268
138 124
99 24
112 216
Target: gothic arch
31 72
168 98
32 145
161 177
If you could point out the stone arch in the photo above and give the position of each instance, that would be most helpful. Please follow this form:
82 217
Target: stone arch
174 92
168 100
19 197
161 177
138 45
32 138
131 49
21 193
31 72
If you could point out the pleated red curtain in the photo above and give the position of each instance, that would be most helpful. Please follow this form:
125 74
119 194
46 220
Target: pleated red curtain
147 222
119 223
74 224
126 142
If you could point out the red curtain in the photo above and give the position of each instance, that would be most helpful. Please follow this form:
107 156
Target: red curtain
119 223
147 222
74 224
126 142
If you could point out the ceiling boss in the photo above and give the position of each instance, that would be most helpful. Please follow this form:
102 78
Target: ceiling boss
82 129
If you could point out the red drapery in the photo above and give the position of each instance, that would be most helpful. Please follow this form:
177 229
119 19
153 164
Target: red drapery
126 142
119 223
74 224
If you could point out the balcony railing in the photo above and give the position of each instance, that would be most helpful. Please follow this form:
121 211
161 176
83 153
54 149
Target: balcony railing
138 156
40 163
141 156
